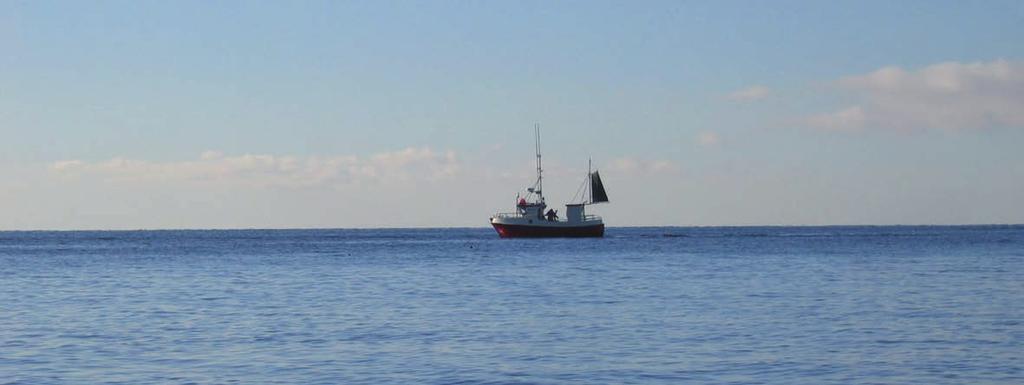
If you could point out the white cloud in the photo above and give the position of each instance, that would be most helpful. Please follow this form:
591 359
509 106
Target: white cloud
408 187
631 165
708 139
66 165
847 119
752 93
951 96
418 164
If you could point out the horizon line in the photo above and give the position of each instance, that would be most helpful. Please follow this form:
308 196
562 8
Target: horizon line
488 228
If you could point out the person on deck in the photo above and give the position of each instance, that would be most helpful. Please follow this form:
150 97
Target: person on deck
552 216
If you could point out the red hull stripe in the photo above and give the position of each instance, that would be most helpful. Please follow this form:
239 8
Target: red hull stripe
521 231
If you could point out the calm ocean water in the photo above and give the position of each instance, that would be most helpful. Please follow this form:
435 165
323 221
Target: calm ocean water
775 305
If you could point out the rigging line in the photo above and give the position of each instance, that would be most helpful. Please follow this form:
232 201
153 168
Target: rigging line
580 190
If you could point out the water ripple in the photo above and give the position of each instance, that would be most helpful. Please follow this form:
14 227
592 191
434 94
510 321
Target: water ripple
829 305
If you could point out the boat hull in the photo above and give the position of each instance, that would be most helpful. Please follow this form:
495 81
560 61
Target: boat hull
539 231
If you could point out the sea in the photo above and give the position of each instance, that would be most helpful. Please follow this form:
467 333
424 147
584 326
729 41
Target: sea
646 305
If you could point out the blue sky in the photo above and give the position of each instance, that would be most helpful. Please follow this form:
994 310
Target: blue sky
349 114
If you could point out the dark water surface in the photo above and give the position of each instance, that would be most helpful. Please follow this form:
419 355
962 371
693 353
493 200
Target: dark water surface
777 305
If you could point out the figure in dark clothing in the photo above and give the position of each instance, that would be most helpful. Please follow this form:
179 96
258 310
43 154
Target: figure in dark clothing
552 215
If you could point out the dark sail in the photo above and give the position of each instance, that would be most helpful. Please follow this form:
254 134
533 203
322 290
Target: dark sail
597 194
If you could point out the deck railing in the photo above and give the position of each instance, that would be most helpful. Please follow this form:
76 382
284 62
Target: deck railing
508 215
586 218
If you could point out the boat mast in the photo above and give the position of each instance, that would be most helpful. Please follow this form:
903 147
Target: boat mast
590 186
540 178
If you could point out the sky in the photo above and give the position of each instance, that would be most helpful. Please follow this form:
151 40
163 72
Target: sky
253 114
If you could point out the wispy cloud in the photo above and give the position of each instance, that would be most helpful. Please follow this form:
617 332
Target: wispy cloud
632 165
416 164
951 96
708 139
751 93
847 119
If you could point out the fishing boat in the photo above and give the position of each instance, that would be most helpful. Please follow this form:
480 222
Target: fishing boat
529 220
